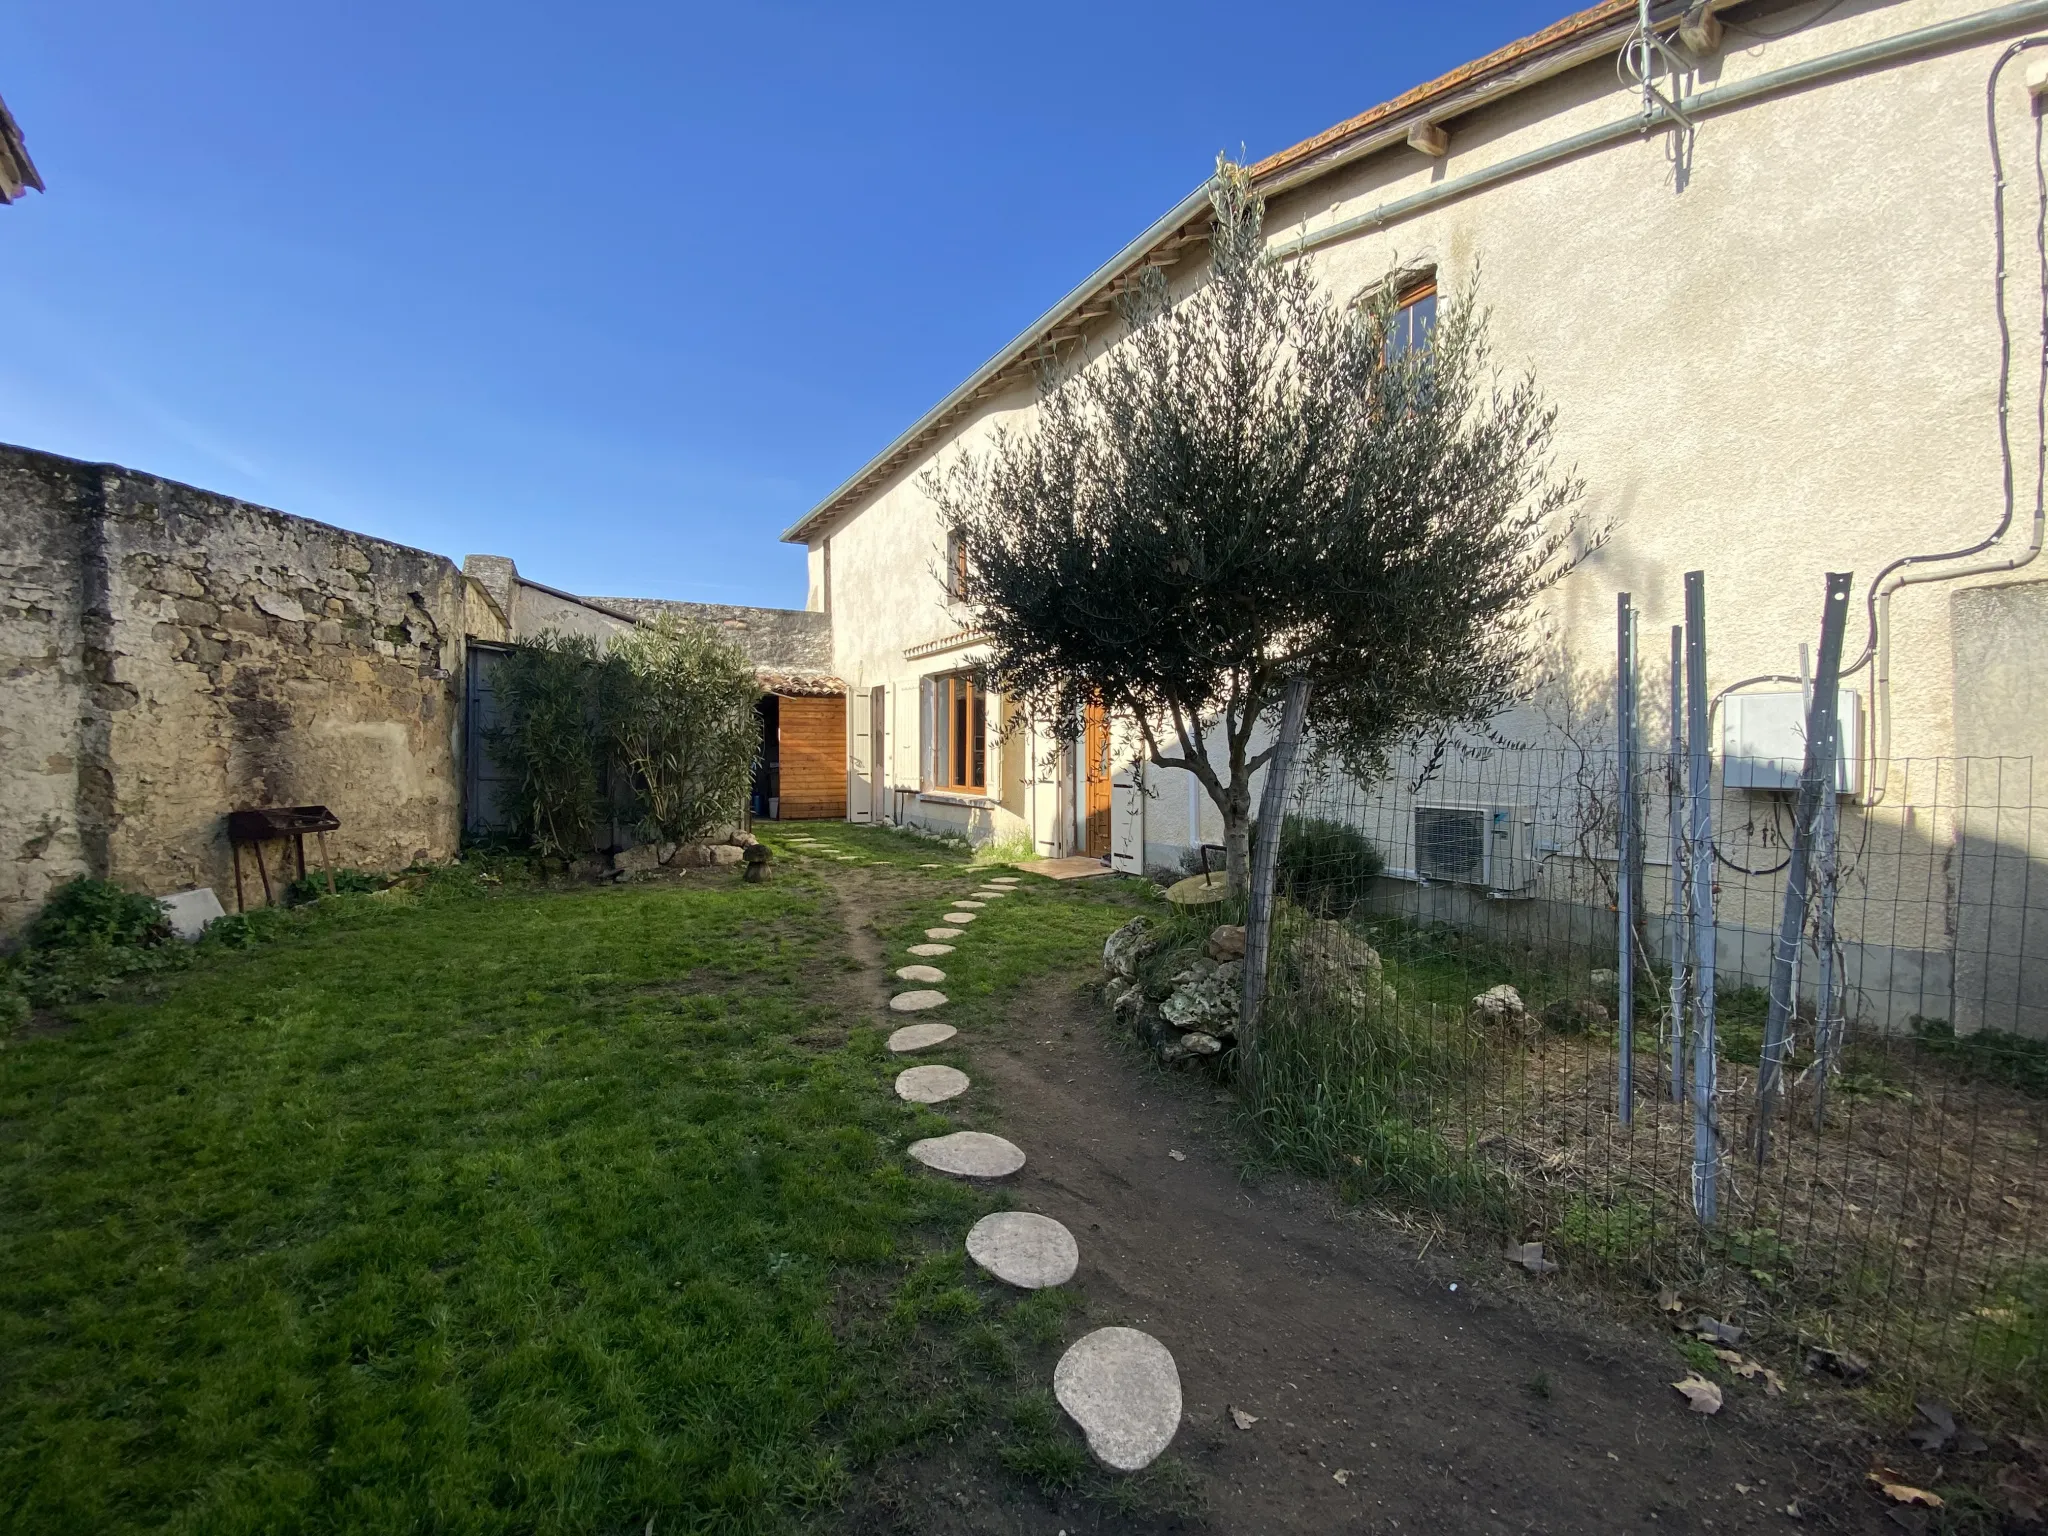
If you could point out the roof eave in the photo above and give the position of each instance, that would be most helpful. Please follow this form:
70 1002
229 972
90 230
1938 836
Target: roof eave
1564 45
801 531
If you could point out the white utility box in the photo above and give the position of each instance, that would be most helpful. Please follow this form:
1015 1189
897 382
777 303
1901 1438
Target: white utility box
1763 741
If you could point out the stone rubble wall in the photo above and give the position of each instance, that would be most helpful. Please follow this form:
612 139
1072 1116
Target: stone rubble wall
172 655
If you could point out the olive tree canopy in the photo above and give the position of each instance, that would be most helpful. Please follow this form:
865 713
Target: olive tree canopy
1254 486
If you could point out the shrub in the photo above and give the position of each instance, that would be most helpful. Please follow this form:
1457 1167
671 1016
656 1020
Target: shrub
548 690
1325 865
86 913
677 705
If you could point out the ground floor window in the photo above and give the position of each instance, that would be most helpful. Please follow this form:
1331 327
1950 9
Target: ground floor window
958 733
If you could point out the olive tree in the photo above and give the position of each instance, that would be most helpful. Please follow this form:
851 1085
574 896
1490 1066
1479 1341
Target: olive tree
1251 508
677 706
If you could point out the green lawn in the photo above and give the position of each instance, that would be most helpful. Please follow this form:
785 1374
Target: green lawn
506 1210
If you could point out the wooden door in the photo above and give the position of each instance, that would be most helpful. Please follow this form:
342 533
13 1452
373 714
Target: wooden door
1095 794
812 748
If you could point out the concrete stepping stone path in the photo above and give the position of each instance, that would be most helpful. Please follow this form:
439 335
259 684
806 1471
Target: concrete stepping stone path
931 950
957 917
915 1002
918 1037
930 1085
920 973
1024 1250
1122 1388
973 1155
942 933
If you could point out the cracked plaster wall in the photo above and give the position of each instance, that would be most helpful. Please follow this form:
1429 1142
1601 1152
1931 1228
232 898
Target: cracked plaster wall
171 655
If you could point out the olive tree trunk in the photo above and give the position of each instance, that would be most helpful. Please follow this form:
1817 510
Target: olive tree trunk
1258 932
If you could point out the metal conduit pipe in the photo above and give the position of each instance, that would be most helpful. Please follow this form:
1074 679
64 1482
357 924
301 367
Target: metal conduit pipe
1947 34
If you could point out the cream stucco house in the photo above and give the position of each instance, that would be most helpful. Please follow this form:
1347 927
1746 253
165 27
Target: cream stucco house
1762 298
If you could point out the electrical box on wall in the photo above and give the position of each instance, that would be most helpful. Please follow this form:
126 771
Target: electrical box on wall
1763 741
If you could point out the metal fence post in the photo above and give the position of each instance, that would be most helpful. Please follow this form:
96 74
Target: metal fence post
1678 921
1628 838
1700 838
1827 1029
1820 735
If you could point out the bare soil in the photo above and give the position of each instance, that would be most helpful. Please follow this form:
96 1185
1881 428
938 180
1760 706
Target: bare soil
1452 1393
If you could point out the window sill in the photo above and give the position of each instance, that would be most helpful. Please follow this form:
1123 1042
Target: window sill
953 797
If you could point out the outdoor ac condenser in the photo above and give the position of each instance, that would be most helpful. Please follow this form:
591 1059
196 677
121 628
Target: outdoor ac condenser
1492 846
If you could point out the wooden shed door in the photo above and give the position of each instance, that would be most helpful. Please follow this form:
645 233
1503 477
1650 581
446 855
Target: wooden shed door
812 746
1095 797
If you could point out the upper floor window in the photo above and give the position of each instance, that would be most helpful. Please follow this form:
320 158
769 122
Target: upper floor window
957 569
1414 319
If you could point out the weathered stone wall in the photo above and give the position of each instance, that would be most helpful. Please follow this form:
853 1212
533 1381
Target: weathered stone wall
44 523
781 639
173 655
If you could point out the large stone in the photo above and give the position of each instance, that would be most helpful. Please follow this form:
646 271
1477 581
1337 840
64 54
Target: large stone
971 905
1195 1043
918 1037
920 973
915 1002
1122 950
987 895
957 917
931 950
1499 1005
942 933
1203 1004
1226 942
1199 890
188 912
1122 1388
970 1155
930 1085
1024 1250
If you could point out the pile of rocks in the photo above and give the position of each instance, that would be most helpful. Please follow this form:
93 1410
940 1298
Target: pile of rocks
1502 1010
1191 1012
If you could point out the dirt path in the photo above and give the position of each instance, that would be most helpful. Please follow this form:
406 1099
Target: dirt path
1448 1404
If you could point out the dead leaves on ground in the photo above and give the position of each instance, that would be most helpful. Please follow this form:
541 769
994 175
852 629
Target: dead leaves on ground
1903 1493
1701 1395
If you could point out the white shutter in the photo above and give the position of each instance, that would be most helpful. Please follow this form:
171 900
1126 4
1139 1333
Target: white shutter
927 771
994 730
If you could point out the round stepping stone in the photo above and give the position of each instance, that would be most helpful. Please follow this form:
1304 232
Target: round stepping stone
1002 879
931 949
957 917
971 1155
915 1002
920 973
930 1085
971 904
931 866
942 933
916 1037
989 893
1121 1387
1024 1250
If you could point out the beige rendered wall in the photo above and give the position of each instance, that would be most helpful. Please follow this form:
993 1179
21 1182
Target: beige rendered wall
1776 361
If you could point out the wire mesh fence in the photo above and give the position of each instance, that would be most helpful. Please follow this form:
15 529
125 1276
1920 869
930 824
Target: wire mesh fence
1447 1025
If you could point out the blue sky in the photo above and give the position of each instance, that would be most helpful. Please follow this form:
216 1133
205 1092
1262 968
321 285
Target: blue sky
617 290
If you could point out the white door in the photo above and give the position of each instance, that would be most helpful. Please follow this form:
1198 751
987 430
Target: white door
860 781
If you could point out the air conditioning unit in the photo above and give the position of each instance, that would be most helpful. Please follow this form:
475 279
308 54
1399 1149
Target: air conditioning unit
1491 846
